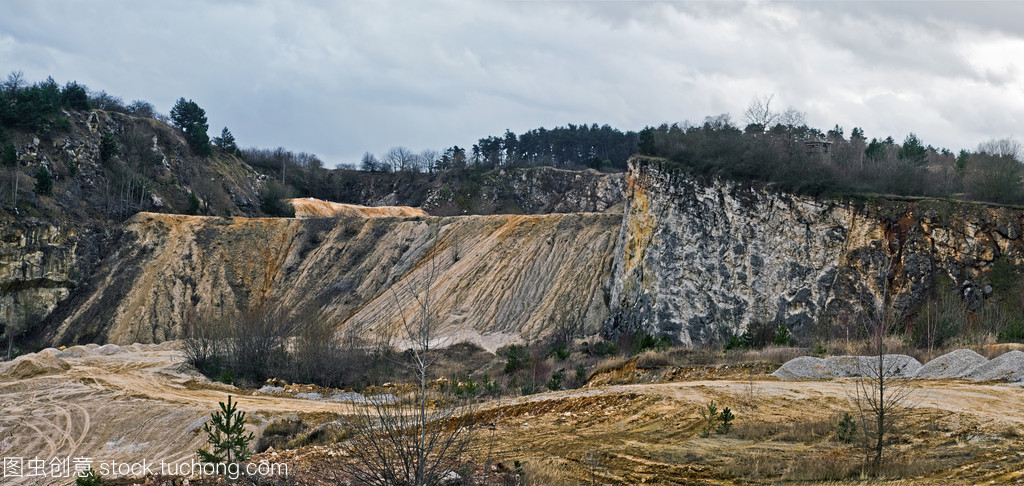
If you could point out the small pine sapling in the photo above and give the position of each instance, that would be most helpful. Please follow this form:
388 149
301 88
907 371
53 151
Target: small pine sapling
709 416
225 432
846 428
725 420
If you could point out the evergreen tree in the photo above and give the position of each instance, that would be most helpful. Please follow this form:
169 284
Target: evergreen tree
225 433
875 150
75 96
913 151
188 116
44 182
226 142
108 146
9 156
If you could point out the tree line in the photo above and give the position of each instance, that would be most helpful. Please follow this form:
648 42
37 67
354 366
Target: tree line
794 157
775 147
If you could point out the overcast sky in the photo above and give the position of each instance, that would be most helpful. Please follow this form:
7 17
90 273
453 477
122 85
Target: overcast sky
341 78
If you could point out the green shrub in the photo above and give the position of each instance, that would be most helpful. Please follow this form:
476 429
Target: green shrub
782 336
273 201
737 342
44 182
1004 275
89 478
555 382
649 342
516 358
465 387
605 348
846 428
1014 333
725 419
193 204
491 387
560 352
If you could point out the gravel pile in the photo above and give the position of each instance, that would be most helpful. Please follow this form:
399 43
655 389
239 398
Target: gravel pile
1009 367
804 368
954 364
811 368
962 363
109 349
892 365
356 397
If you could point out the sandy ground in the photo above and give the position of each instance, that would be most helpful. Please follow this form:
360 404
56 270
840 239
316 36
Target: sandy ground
146 405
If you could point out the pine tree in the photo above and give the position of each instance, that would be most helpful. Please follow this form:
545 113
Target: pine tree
225 433
226 142
188 116
44 182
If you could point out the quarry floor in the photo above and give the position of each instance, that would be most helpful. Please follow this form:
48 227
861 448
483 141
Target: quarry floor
146 405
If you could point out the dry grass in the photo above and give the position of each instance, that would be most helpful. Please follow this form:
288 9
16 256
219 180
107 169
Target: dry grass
808 431
548 471
830 465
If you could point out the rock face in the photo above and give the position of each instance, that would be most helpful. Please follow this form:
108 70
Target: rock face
696 260
40 264
699 261
537 190
491 279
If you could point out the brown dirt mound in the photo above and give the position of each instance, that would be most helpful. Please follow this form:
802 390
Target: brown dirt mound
308 207
31 365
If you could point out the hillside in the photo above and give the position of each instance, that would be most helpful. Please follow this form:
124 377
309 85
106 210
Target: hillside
493 279
698 261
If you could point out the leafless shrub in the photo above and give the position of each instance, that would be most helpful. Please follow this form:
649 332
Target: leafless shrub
881 396
421 439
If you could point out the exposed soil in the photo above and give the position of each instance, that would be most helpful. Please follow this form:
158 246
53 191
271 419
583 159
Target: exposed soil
146 405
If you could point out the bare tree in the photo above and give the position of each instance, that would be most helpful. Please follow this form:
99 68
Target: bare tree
793 117
429 159
883 392
759 112
412 441
400 159
14 82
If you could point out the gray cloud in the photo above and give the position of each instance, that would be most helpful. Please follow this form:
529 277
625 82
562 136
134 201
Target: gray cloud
341 78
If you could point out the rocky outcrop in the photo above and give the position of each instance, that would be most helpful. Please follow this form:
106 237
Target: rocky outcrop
491 279
536 190
40 264
699 261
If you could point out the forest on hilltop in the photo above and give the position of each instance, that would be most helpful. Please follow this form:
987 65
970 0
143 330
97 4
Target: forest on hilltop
775 148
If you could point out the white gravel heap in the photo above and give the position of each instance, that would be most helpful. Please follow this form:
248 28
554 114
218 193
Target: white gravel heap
954 364
1009 367
109 349
962 363
811 368
804 368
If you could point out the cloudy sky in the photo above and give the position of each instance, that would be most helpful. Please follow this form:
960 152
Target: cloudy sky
341 78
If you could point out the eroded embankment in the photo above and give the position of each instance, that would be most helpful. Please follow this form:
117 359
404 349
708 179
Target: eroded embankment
308 207
491 279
